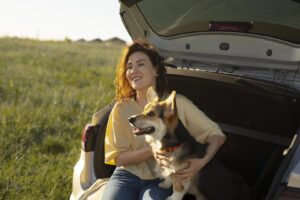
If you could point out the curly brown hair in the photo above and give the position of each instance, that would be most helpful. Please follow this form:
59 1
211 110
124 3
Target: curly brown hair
123 88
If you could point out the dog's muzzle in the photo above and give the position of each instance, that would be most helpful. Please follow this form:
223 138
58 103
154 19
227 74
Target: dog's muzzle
140 131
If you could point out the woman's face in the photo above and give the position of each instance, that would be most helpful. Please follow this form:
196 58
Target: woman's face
140 72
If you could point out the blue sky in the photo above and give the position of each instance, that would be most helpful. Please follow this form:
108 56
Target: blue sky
57 19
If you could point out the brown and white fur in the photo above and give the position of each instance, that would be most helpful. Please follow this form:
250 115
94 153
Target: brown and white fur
158 123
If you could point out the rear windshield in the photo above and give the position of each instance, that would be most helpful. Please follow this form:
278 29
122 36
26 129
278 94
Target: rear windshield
276 18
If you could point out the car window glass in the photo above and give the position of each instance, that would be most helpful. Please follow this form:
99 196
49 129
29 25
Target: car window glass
278 18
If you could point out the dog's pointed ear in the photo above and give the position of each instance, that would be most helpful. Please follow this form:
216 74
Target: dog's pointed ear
151 94
170 104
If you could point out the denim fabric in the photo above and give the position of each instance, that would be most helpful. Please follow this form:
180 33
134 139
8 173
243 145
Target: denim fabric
124 185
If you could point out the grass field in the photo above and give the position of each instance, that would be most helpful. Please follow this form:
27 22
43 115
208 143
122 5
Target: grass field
48 92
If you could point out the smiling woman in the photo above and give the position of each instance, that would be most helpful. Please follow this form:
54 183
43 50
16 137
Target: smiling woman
128 67
140 72
140 68
135 178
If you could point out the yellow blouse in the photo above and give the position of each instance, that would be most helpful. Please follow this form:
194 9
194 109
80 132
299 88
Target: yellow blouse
119 136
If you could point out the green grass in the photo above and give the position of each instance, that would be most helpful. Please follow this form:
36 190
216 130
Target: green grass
48 92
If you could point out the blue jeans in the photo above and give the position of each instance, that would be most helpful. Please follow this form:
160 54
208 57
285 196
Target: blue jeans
124 185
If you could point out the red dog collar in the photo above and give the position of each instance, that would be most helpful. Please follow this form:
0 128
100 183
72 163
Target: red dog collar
171 149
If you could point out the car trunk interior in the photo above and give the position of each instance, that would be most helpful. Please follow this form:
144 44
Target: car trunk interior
258 118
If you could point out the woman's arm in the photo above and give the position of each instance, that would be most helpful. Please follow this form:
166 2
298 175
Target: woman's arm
196 164
133 157
214 143
119 140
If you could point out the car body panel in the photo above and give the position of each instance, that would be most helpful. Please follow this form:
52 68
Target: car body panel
85 185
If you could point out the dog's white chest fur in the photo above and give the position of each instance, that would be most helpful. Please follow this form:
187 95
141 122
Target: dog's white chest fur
155 144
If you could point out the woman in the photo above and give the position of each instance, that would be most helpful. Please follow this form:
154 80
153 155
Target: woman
142 67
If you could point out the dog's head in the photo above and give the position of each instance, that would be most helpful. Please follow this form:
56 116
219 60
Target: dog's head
157 118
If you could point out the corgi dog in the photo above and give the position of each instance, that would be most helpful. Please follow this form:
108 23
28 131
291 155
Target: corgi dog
163 130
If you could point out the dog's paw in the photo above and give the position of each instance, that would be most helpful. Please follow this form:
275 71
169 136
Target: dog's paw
172 197
175 196
169 198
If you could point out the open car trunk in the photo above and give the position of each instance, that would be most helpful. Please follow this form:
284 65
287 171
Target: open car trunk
258 118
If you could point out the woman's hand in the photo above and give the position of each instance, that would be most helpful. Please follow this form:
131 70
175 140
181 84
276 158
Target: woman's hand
162 157
194 165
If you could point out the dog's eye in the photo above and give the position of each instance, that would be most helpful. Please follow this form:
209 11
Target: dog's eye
151 114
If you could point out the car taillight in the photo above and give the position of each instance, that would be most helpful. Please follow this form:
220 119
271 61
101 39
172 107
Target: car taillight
84 132
89 136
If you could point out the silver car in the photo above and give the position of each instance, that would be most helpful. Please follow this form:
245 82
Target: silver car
239 62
